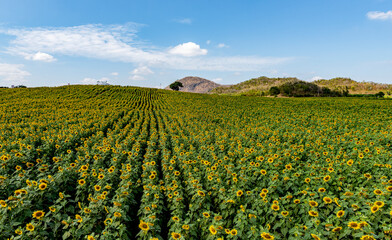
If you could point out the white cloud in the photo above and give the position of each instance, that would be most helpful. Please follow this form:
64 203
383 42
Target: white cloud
316 78
376 15
222 45
138 73
12 74
184 20
93 81
119 43
189 49
142 70
114 74
217 80
136 78
40 56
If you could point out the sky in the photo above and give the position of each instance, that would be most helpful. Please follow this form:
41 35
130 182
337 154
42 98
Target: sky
152 43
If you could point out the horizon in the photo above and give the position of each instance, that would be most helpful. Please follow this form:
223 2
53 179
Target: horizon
152 43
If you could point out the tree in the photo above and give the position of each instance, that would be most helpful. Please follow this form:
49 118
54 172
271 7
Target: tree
176 86
380 95
274 91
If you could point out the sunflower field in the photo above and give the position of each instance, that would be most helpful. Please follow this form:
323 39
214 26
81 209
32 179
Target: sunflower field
110 162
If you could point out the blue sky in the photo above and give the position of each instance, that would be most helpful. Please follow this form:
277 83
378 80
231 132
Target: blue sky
152 43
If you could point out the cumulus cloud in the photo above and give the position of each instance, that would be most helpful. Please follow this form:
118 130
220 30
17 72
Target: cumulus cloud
93 81
189 49
183 20
119 43
40 56
142 70
12 73
138 73
376 15
222 45
316 78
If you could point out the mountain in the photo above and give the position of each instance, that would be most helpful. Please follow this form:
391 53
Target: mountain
196 85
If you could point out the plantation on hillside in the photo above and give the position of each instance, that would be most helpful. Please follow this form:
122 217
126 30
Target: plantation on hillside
103 162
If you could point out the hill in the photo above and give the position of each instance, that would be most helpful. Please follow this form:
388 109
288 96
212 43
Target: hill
354 87
253 86
261 86
196 85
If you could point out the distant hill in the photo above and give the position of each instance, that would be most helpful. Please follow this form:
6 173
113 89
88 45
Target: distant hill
196 85
261 86
252 86
354 87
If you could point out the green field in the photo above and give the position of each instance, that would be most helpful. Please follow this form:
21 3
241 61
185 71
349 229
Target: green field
107 162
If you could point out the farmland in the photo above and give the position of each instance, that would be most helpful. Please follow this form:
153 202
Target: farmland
107 162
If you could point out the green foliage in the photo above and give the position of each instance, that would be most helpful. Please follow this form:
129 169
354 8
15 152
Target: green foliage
176 86
274 91
306 89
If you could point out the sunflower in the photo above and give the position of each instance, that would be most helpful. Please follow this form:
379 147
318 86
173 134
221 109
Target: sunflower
38 214
79 218
340 214
233 232
307 180
367 237
30 227
354 225
267 236
378 192
18 231
363 224
264 172
176 235
337 229
374 209
185 227
212 229
86 210
3 203
350 162
379 204
43 186
239 193
201 193
297 201
315 237
389 188
327 200
313 203
81 182
322 190
275 207
97 188
117 214
143 226
89 237
313 213
285 213
206 214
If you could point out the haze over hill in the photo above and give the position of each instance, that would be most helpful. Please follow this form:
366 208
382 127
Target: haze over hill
196 85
